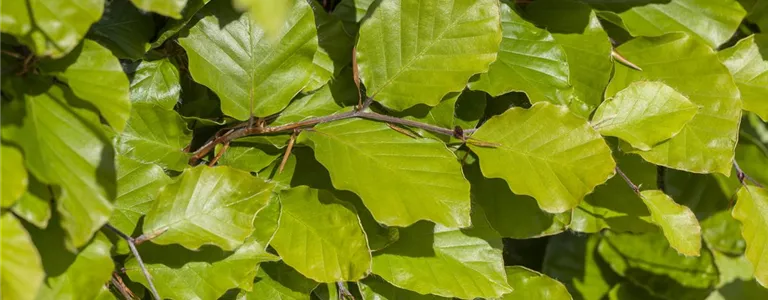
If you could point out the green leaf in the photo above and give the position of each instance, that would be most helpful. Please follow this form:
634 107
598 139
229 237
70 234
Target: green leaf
71 276
352 10
109 94
757 12
576 28
529 284
410 52
155 135
170 8
722 233
679 224
752 211
64 146
50 28
712 21
230 54
706 143
207 206
736 280
321 237
630 291
173 26
549 145
137 186
574 261
278 281
34 206
748 63
207 273
250 157
21 272
530 60
374 288
125 30
14 175
156 82
423 180
334 51
512 215
648 261
268 14
644 114
447 262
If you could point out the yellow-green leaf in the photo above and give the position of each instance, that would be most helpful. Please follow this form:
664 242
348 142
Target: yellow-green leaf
748 62
14 175
171 8
679 224
21 271
752 211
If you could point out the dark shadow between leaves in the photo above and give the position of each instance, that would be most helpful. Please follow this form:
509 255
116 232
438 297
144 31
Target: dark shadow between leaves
416 240
50 243
176 256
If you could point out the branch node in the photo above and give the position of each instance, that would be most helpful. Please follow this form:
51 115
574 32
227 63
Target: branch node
132 245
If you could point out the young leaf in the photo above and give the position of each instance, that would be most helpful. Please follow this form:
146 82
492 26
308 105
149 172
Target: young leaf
137 186
748 63
155 135
644 114
415 52
529 284
229 53
545 152
752 211
21 272
64 146
171 8
321 237
647 260
530 60
278 281
207 206
156 82
124 29
679 224
432 259
712 21
422 179
576 28
109 93
268 14
375 288
684 63
34 206
50 28
14 175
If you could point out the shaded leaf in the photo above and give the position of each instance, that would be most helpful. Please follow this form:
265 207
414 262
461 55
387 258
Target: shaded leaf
435 46
529 284
268 14
441 261
137 186
123 29
64 146
362 155
374 288
155 135
156 82
207 206
21 272
50 28
278 281
34 206
679 224
321 237
576 28
571 154
530 60
644 113
706 143
229 54
748 63
14 175
574 261
352 10
752 211
722 233
712 21
173 26
170 8
334 51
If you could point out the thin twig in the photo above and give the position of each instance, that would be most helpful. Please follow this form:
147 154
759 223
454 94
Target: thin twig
343 291
219 155
118 283
136 254
629 182
618 57
743 176
288 149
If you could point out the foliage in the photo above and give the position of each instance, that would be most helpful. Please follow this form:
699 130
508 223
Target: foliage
384 149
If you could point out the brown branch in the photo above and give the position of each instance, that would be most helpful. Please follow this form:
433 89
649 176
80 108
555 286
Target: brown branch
118 283
629 182
288 150
132 245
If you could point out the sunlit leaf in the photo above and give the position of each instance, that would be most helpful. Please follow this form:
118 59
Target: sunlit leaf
171 8
530 60
155 135
413 52
644 114
34 206
278 281
321 237
752 211
14 175
529 284
156 82
706 143
558 157
230 54
207 206
423 178
21 272
137 186
748 62
678 223
268 14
